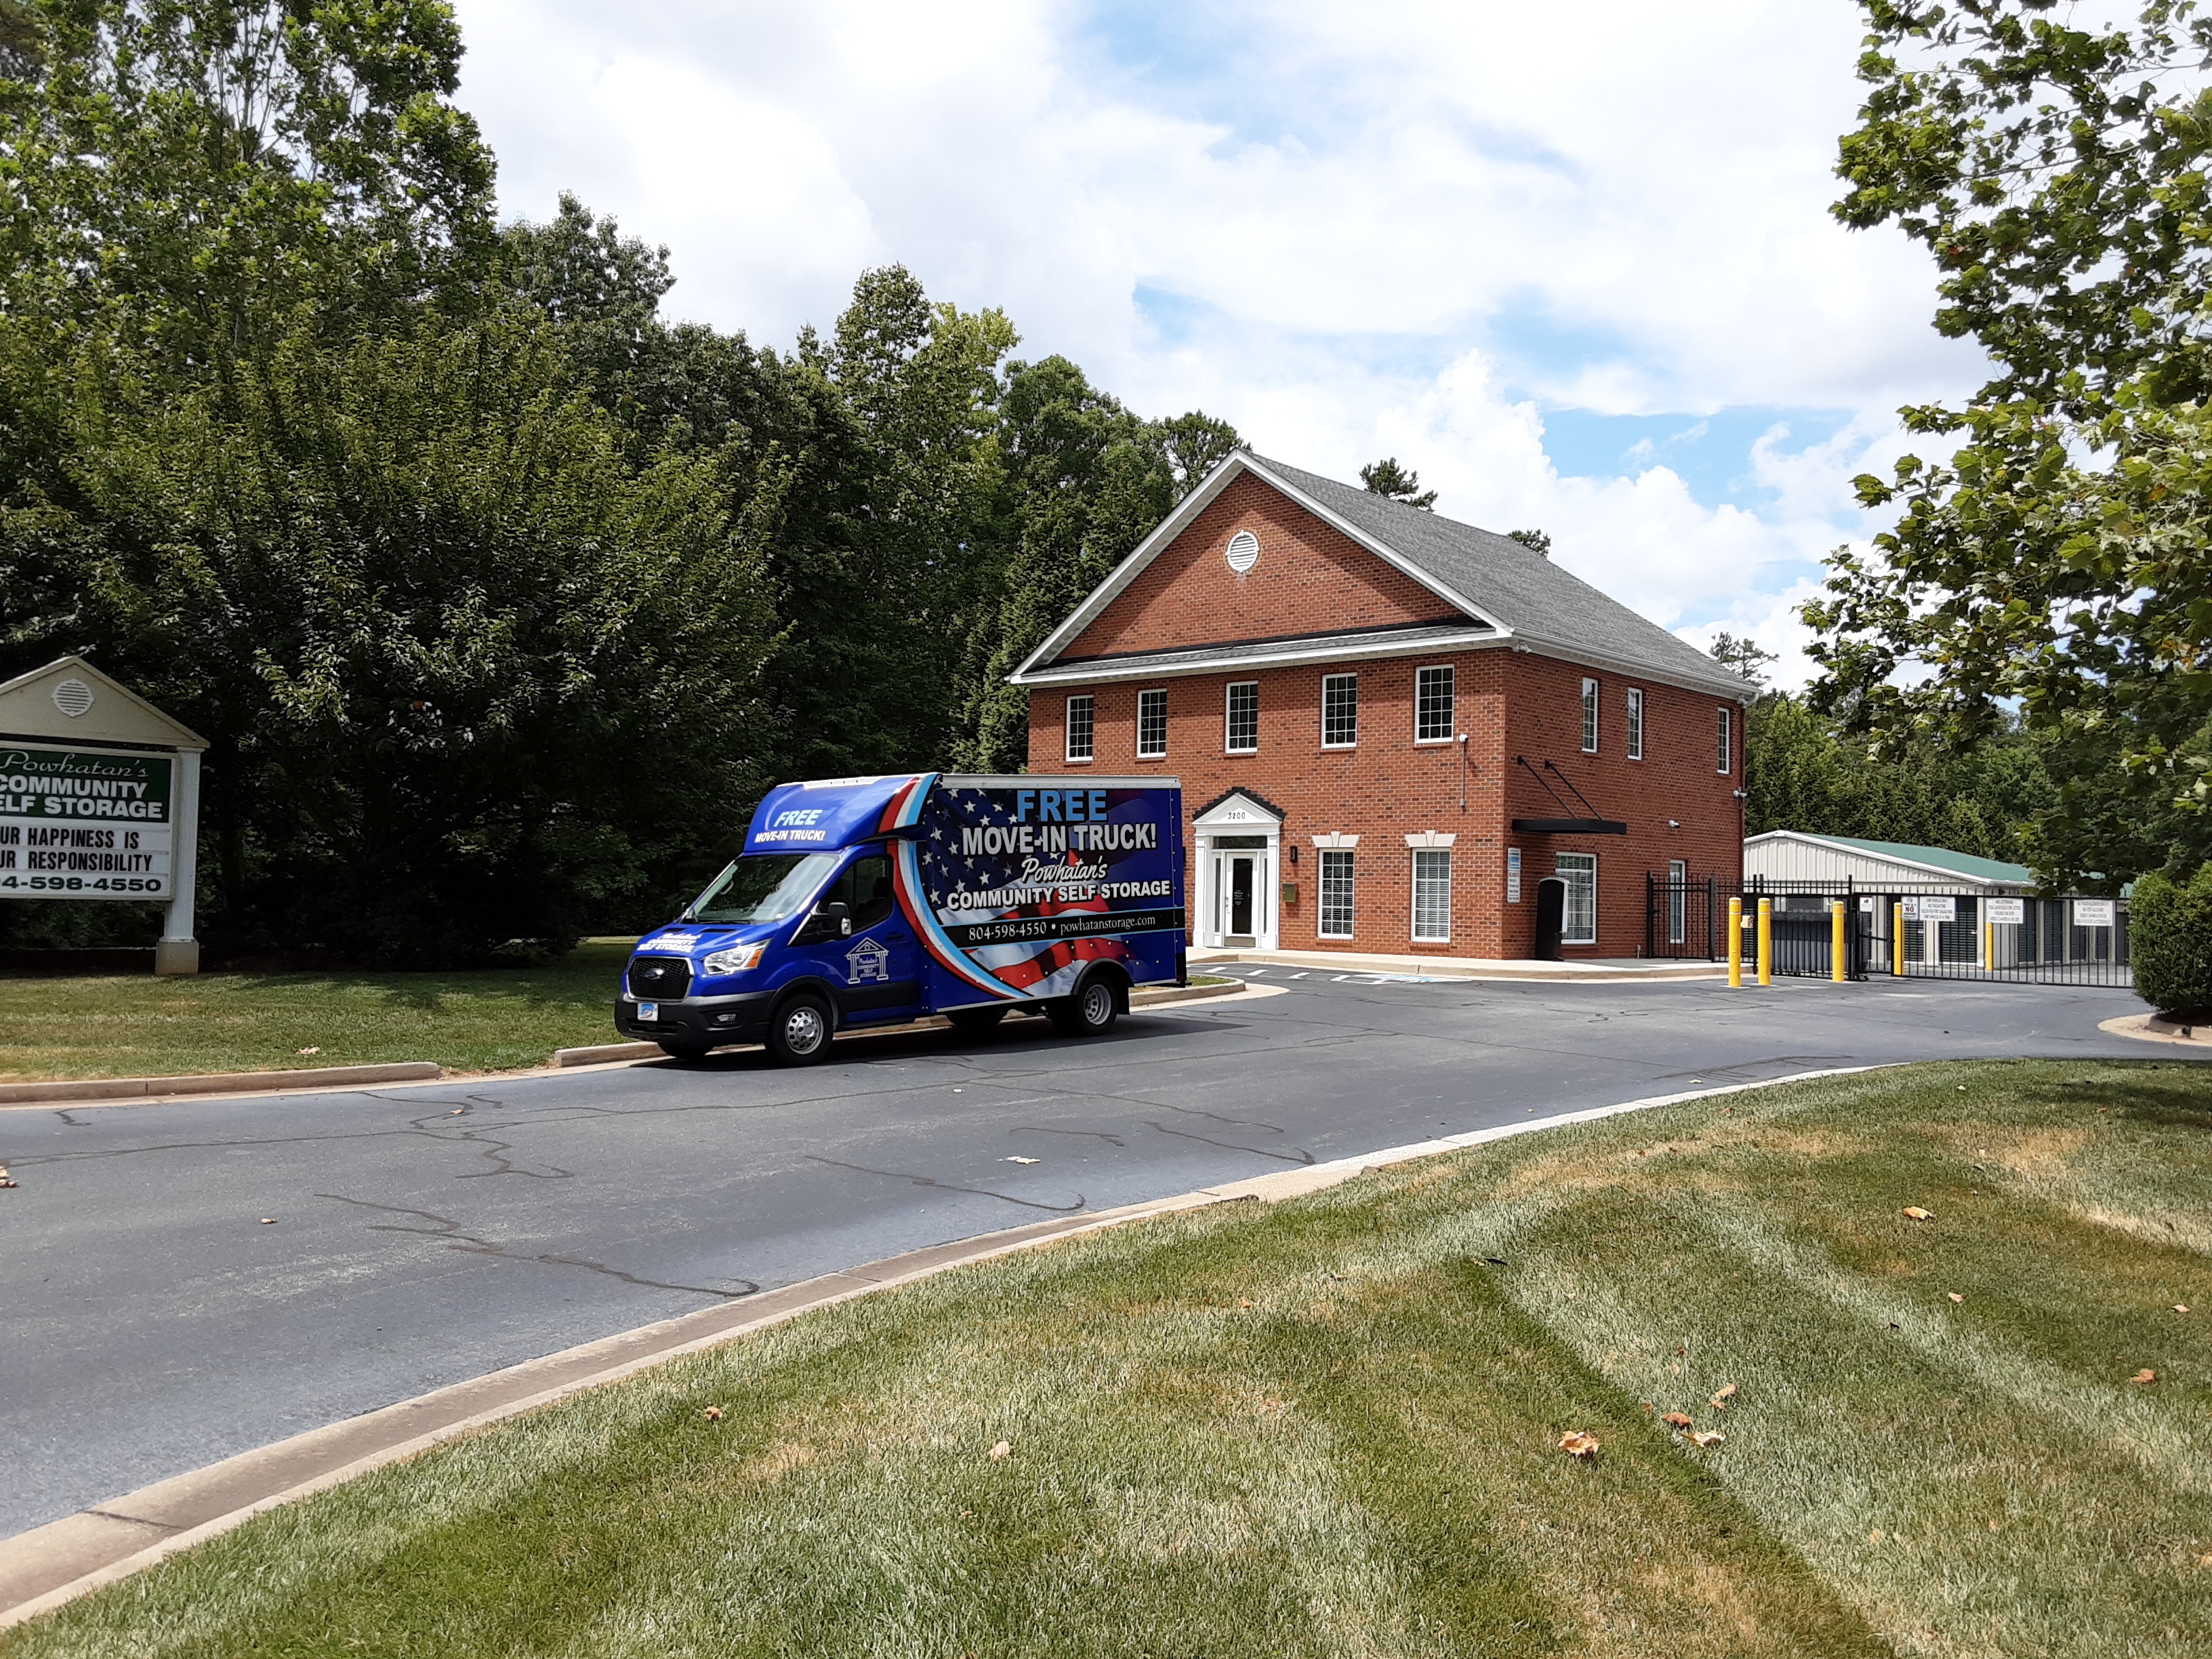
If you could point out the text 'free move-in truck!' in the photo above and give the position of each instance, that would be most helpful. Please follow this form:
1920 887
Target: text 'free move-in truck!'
870 901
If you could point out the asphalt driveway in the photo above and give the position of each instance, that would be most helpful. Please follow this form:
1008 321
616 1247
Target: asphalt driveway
420 1236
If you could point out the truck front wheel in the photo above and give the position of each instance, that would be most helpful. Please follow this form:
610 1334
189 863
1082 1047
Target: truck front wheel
800 1032
1090 1012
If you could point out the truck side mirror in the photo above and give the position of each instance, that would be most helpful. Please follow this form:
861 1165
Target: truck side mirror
839 913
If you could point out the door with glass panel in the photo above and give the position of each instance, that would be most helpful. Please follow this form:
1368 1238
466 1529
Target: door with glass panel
1238 879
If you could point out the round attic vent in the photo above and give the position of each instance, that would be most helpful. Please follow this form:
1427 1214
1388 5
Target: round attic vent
1243 551
73 697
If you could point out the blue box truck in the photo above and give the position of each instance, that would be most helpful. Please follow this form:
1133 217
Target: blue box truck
870 901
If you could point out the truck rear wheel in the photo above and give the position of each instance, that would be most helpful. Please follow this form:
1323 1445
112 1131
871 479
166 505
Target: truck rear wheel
800 1032
1090 1012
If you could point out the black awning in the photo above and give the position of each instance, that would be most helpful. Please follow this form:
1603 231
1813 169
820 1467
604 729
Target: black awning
1570 827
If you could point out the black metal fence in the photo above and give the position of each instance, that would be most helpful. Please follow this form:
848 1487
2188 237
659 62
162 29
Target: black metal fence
1944 932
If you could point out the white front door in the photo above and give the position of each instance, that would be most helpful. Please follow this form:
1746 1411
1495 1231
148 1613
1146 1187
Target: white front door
1240 891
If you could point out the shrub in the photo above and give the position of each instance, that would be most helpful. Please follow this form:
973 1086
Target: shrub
2170 941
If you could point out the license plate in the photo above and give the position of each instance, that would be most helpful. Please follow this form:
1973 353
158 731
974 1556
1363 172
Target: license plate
648 1011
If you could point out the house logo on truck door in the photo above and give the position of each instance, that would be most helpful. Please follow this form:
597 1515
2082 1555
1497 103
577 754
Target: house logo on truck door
867 960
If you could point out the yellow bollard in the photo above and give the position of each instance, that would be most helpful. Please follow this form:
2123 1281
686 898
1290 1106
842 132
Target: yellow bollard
1896 939
1836 942
1735 945
1766 941
1988 946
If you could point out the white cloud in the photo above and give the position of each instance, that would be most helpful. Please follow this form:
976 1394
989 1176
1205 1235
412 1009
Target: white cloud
1409 226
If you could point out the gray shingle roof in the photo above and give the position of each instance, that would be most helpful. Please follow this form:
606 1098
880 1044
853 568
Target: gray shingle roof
1524 591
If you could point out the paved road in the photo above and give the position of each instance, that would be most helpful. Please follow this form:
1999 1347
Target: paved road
427 1234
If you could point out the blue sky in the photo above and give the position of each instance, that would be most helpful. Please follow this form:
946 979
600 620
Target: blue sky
1580 276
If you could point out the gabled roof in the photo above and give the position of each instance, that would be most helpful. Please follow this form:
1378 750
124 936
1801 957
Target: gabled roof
1511 595
70 701
1933 858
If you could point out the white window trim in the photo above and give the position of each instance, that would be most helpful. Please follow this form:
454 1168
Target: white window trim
1320 899
1556 871
1161 753
1678 903
1420 742
1067 730
1227 692
1325 679
1726 744
1636 703
1593 715
1413 894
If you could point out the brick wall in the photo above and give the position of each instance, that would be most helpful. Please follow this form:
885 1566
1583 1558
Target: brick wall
1310 579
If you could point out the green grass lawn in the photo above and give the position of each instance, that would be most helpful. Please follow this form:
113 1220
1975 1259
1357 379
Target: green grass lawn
135 1025
1330 1426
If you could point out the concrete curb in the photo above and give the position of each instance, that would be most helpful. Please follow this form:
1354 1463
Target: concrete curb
2150 1028
608 1052
47 1566
217 1083
112 1091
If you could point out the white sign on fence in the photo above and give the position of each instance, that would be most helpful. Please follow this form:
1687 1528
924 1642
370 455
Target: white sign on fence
2093 913
1930 908
2007 912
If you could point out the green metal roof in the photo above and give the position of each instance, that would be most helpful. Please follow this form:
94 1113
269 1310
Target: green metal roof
1942 857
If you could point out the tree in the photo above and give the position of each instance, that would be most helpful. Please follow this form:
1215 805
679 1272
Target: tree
2055 562
189 179
1742 656
1386 478
468 675
1535 541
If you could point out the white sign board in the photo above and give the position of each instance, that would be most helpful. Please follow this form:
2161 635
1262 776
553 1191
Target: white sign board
2005 912
2093 913
1931 908
84 823
1513 875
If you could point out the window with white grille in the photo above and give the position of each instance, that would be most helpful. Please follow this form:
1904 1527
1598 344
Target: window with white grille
1244 718
1590 717
1727 748
1678 895
1432 704
1433 896
1635 724
1335 894
1340 710
1081 713
1152 725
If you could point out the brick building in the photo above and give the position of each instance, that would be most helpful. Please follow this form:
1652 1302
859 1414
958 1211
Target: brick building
1391 727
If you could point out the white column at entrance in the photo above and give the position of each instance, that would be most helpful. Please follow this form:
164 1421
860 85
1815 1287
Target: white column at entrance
178 951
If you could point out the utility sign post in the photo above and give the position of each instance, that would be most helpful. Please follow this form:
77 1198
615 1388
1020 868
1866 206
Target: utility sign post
99 799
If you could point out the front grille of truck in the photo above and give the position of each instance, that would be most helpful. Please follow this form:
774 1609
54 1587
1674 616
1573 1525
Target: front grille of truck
658 979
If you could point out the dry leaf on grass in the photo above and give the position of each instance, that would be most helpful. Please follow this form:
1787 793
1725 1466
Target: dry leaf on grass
2179 1307
1954 1296
1579 1442
1244 1301
1875 1537
1712 1438
1722 1394
713 1413
1914 1212
1679 1419
2146 1374
311 1051
1002 1451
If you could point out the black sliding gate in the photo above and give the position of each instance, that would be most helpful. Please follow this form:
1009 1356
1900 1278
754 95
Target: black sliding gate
1947 932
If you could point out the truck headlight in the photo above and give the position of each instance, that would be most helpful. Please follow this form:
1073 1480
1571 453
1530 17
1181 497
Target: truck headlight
736 959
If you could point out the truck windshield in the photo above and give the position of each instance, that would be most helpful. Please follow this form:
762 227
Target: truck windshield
763 887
